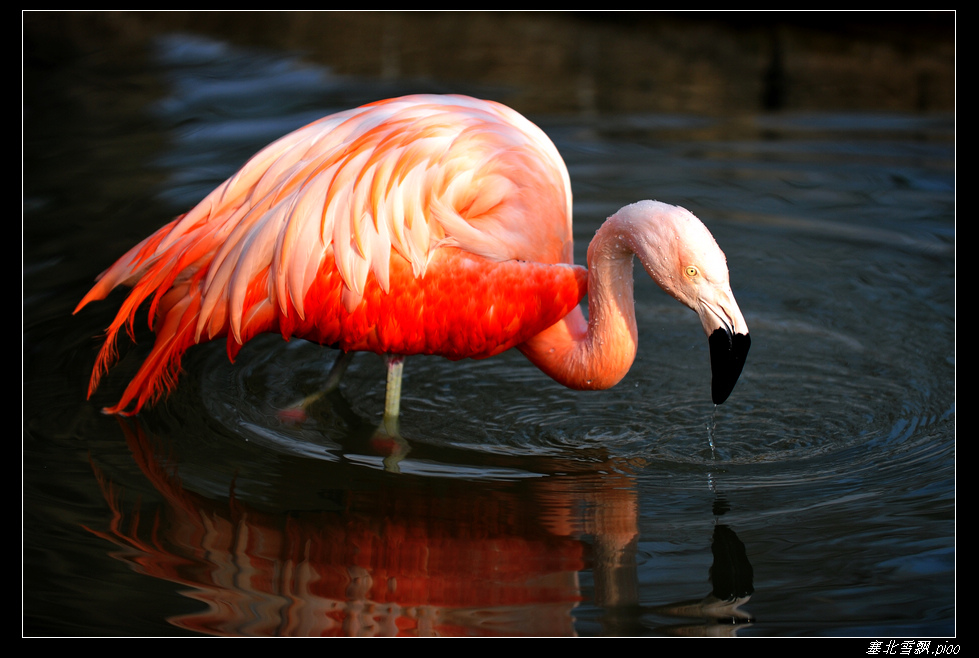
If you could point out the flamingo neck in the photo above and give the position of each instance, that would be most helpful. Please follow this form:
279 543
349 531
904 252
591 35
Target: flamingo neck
597 353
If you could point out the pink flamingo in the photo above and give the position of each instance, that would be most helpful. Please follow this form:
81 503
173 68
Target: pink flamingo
415 225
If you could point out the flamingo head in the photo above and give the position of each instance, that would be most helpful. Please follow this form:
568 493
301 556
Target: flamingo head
681 255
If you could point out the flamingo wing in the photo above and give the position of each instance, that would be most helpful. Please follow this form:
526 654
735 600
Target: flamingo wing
423 224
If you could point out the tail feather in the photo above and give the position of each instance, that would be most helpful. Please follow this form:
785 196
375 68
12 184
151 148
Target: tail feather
131 266
176 323
165 268
174 316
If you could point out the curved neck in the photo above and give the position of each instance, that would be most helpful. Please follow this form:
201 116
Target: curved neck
598 353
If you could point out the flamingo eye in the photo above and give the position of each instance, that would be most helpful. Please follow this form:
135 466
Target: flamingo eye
691 271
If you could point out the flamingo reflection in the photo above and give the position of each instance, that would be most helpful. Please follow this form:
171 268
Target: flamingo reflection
385 562
385 559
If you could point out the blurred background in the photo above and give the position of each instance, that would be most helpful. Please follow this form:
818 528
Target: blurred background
712 63
819 147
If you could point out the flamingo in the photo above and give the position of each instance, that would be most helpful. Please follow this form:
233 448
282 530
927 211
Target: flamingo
416 225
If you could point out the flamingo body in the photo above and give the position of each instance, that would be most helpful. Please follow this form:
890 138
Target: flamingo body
417 225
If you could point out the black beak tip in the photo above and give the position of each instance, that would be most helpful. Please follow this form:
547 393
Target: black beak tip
727 357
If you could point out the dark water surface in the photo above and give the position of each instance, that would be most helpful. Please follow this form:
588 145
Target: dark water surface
819 500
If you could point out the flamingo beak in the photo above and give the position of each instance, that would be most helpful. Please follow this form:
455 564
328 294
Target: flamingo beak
727 336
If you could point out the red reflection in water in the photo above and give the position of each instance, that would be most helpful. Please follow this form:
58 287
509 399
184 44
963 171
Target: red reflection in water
395 561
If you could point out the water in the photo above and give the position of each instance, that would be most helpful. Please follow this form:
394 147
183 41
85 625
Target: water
819 500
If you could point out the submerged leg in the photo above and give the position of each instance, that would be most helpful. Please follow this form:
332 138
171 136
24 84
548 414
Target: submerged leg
336 372
297 411
332 378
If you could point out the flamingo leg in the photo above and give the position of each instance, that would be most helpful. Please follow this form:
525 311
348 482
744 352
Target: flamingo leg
392 397
336 371
332 378
388 438
298 411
